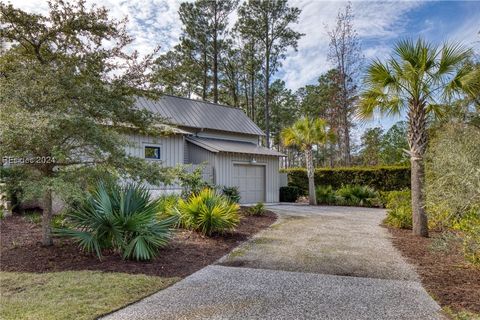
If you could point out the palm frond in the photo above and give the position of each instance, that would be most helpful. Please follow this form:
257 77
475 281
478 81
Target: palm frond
119 217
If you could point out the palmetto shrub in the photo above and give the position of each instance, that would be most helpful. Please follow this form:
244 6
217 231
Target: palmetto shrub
231 193
167 205
208 212
122 218
399 209
326 195
257 210
357 196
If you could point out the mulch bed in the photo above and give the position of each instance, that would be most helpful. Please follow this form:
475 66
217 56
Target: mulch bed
21 250
445 274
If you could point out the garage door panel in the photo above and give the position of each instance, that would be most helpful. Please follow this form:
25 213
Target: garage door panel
250 180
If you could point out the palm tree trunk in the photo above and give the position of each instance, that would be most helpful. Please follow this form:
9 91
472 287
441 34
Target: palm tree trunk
420 223
417 138
47 218
312 198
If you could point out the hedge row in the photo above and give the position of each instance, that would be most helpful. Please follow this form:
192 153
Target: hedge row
381 178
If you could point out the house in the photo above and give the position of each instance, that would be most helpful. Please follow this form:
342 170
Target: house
221 137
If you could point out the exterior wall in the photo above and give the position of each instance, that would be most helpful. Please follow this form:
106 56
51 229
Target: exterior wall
171 148
224 169
198 155
174 150
224 135
172 153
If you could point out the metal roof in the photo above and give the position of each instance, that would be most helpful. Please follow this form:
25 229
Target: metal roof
200 114
219 145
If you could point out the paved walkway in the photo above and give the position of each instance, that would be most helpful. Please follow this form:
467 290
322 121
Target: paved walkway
314 263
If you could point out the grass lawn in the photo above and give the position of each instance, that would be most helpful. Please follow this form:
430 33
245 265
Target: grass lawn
72 294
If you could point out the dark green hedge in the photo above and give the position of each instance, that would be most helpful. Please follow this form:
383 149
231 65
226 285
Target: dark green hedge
289 194
381 178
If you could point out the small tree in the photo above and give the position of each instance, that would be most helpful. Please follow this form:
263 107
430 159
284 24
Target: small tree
421 79
67 98
305 133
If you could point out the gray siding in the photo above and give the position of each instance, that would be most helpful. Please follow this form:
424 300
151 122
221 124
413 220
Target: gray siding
172 153
198 155
171 148
224 170
227 136
175 150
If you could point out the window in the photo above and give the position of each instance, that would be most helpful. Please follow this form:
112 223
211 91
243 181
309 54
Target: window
152 152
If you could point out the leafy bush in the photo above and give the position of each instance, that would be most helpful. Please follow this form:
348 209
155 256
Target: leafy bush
380 178
208 212
122 218
192 182
33 216
59 220
289 194
167 205
399 209
469 225
453 184
257 210
231 193
452 174
357 196
326 195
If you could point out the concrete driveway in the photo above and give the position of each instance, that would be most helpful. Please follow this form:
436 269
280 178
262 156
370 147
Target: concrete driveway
314 263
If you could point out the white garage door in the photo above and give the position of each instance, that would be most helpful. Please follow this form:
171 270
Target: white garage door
250 180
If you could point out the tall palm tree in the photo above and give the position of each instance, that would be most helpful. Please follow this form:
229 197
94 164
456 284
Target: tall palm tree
420 79
305 133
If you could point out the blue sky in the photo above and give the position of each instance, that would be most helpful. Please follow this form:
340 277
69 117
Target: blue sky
379 25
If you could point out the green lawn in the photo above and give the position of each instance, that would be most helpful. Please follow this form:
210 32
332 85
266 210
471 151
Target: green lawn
73 294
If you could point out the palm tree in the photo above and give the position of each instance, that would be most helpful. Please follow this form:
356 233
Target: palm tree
420 79
305 133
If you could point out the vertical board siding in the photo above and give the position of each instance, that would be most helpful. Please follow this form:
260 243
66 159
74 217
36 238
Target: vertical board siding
227 136
175 150
172 152
198 155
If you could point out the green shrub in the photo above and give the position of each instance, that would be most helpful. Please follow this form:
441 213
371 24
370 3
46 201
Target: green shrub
452 174
59 221
122 218
356 196
399 209
469 225
231 193
289 194
380 178
192 182
257 210
33 216
208 212
326 195
166 205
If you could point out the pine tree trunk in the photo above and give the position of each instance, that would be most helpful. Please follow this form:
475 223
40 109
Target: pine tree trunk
267 98
205 76
215 60
252 94
47 218
417 138
312 197
346 142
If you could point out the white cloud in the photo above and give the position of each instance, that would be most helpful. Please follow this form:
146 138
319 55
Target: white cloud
150 22
155 22
378 21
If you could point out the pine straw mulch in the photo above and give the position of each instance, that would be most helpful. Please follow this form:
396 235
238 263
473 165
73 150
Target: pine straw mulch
21 250
445 274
